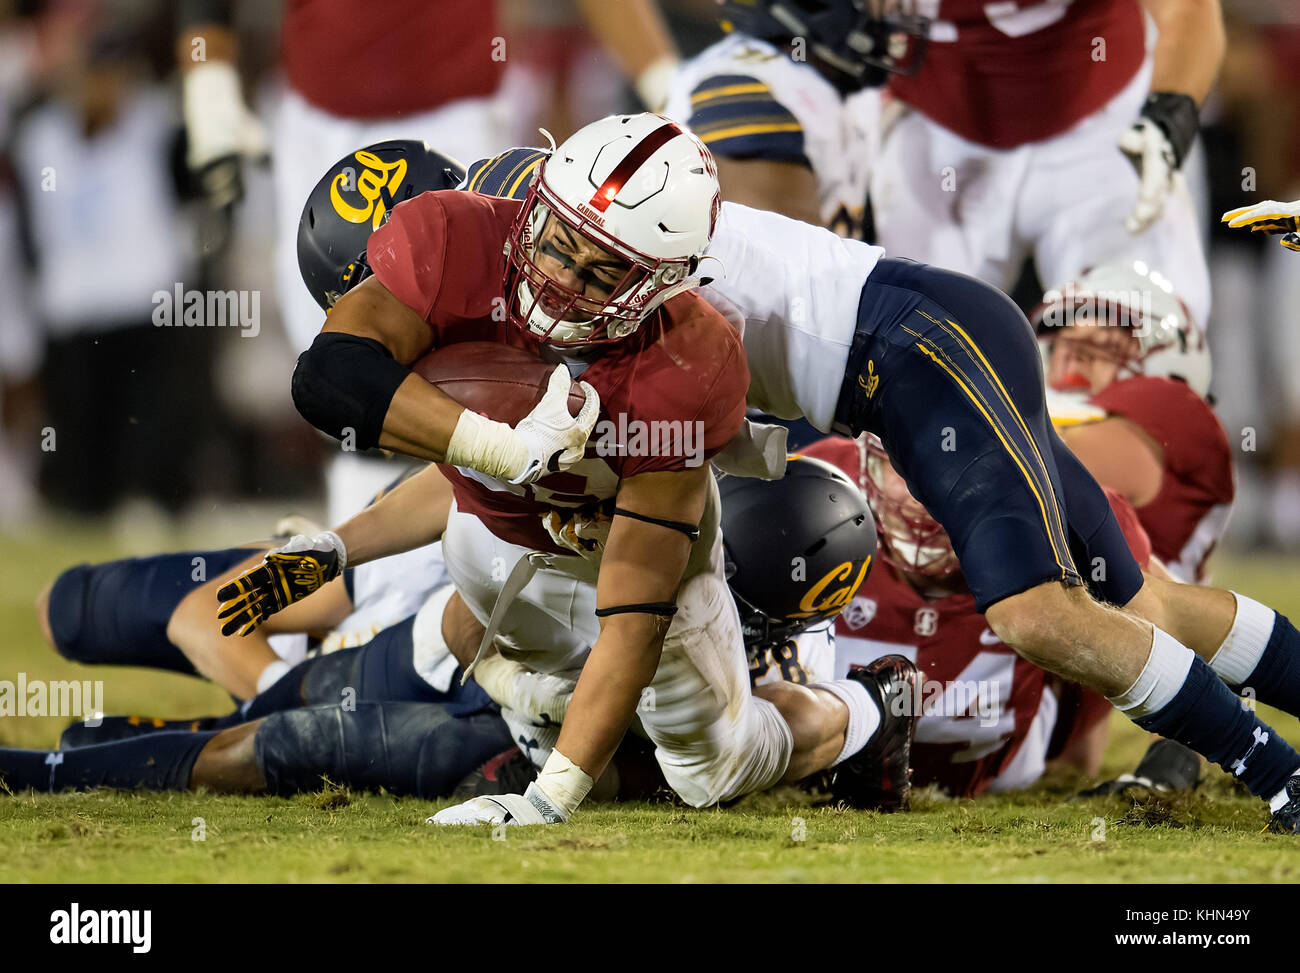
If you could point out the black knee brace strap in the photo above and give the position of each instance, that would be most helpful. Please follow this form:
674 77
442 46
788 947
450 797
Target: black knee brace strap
344 382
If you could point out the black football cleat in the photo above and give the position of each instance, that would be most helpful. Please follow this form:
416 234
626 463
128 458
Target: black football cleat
1286 819
1167 766
879 776
509 772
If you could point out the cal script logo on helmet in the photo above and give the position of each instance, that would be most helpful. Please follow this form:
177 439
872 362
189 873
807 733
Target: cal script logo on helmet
374 178
817 600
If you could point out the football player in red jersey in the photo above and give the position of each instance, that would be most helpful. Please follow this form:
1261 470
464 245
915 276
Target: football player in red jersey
1120 334
987 716
1050 129
604 565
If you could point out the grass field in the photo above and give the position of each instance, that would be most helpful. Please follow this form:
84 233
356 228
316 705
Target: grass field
338 836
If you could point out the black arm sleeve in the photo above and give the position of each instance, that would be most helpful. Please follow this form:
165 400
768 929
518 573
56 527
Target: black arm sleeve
344 382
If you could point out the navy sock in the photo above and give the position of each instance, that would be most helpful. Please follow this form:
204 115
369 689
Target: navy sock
1206 716
1276 679
157 762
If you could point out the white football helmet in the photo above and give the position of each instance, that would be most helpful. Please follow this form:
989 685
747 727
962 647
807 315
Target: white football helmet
641 188
1132 295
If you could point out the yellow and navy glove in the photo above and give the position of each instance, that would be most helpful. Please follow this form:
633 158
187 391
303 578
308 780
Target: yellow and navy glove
1269 217
288 574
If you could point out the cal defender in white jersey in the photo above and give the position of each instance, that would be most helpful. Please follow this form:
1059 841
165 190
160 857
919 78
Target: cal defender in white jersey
793 290
749 100
1052 131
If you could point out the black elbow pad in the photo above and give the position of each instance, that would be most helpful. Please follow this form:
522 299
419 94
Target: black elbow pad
344 383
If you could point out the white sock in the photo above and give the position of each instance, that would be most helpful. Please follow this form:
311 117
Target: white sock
1160 679
1280 798
864 714
271 675
1244 646
431 657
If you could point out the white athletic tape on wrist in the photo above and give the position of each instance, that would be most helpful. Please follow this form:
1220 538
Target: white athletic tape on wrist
1160 679
1239 655
483 444
340 548
564 783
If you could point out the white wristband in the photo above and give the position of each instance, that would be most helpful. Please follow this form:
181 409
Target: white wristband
564 783
483 444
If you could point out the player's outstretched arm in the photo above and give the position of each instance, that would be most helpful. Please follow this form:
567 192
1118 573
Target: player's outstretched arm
411 515
636 594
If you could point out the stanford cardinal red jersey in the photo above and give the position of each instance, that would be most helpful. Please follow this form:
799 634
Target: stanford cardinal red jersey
1188 515
385 58
978 698
1003 74
672 394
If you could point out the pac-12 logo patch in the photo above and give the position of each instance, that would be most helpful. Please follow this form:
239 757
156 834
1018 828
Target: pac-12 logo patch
859 613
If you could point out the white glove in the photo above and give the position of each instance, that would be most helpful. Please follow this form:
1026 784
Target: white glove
547 440
530 807
220 129
1269 217
555 439
1153 157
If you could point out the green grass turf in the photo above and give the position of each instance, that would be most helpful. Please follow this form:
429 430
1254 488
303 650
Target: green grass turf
338 836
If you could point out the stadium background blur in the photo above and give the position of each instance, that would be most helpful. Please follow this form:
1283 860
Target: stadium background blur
98 212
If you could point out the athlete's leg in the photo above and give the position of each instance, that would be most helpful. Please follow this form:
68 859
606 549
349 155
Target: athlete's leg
118 612
818 721
233 663
957 364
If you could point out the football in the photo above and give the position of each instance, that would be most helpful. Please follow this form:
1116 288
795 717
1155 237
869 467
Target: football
494 380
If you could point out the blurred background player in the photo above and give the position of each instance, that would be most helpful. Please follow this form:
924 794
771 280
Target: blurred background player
789 102
1054 131
1120 336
